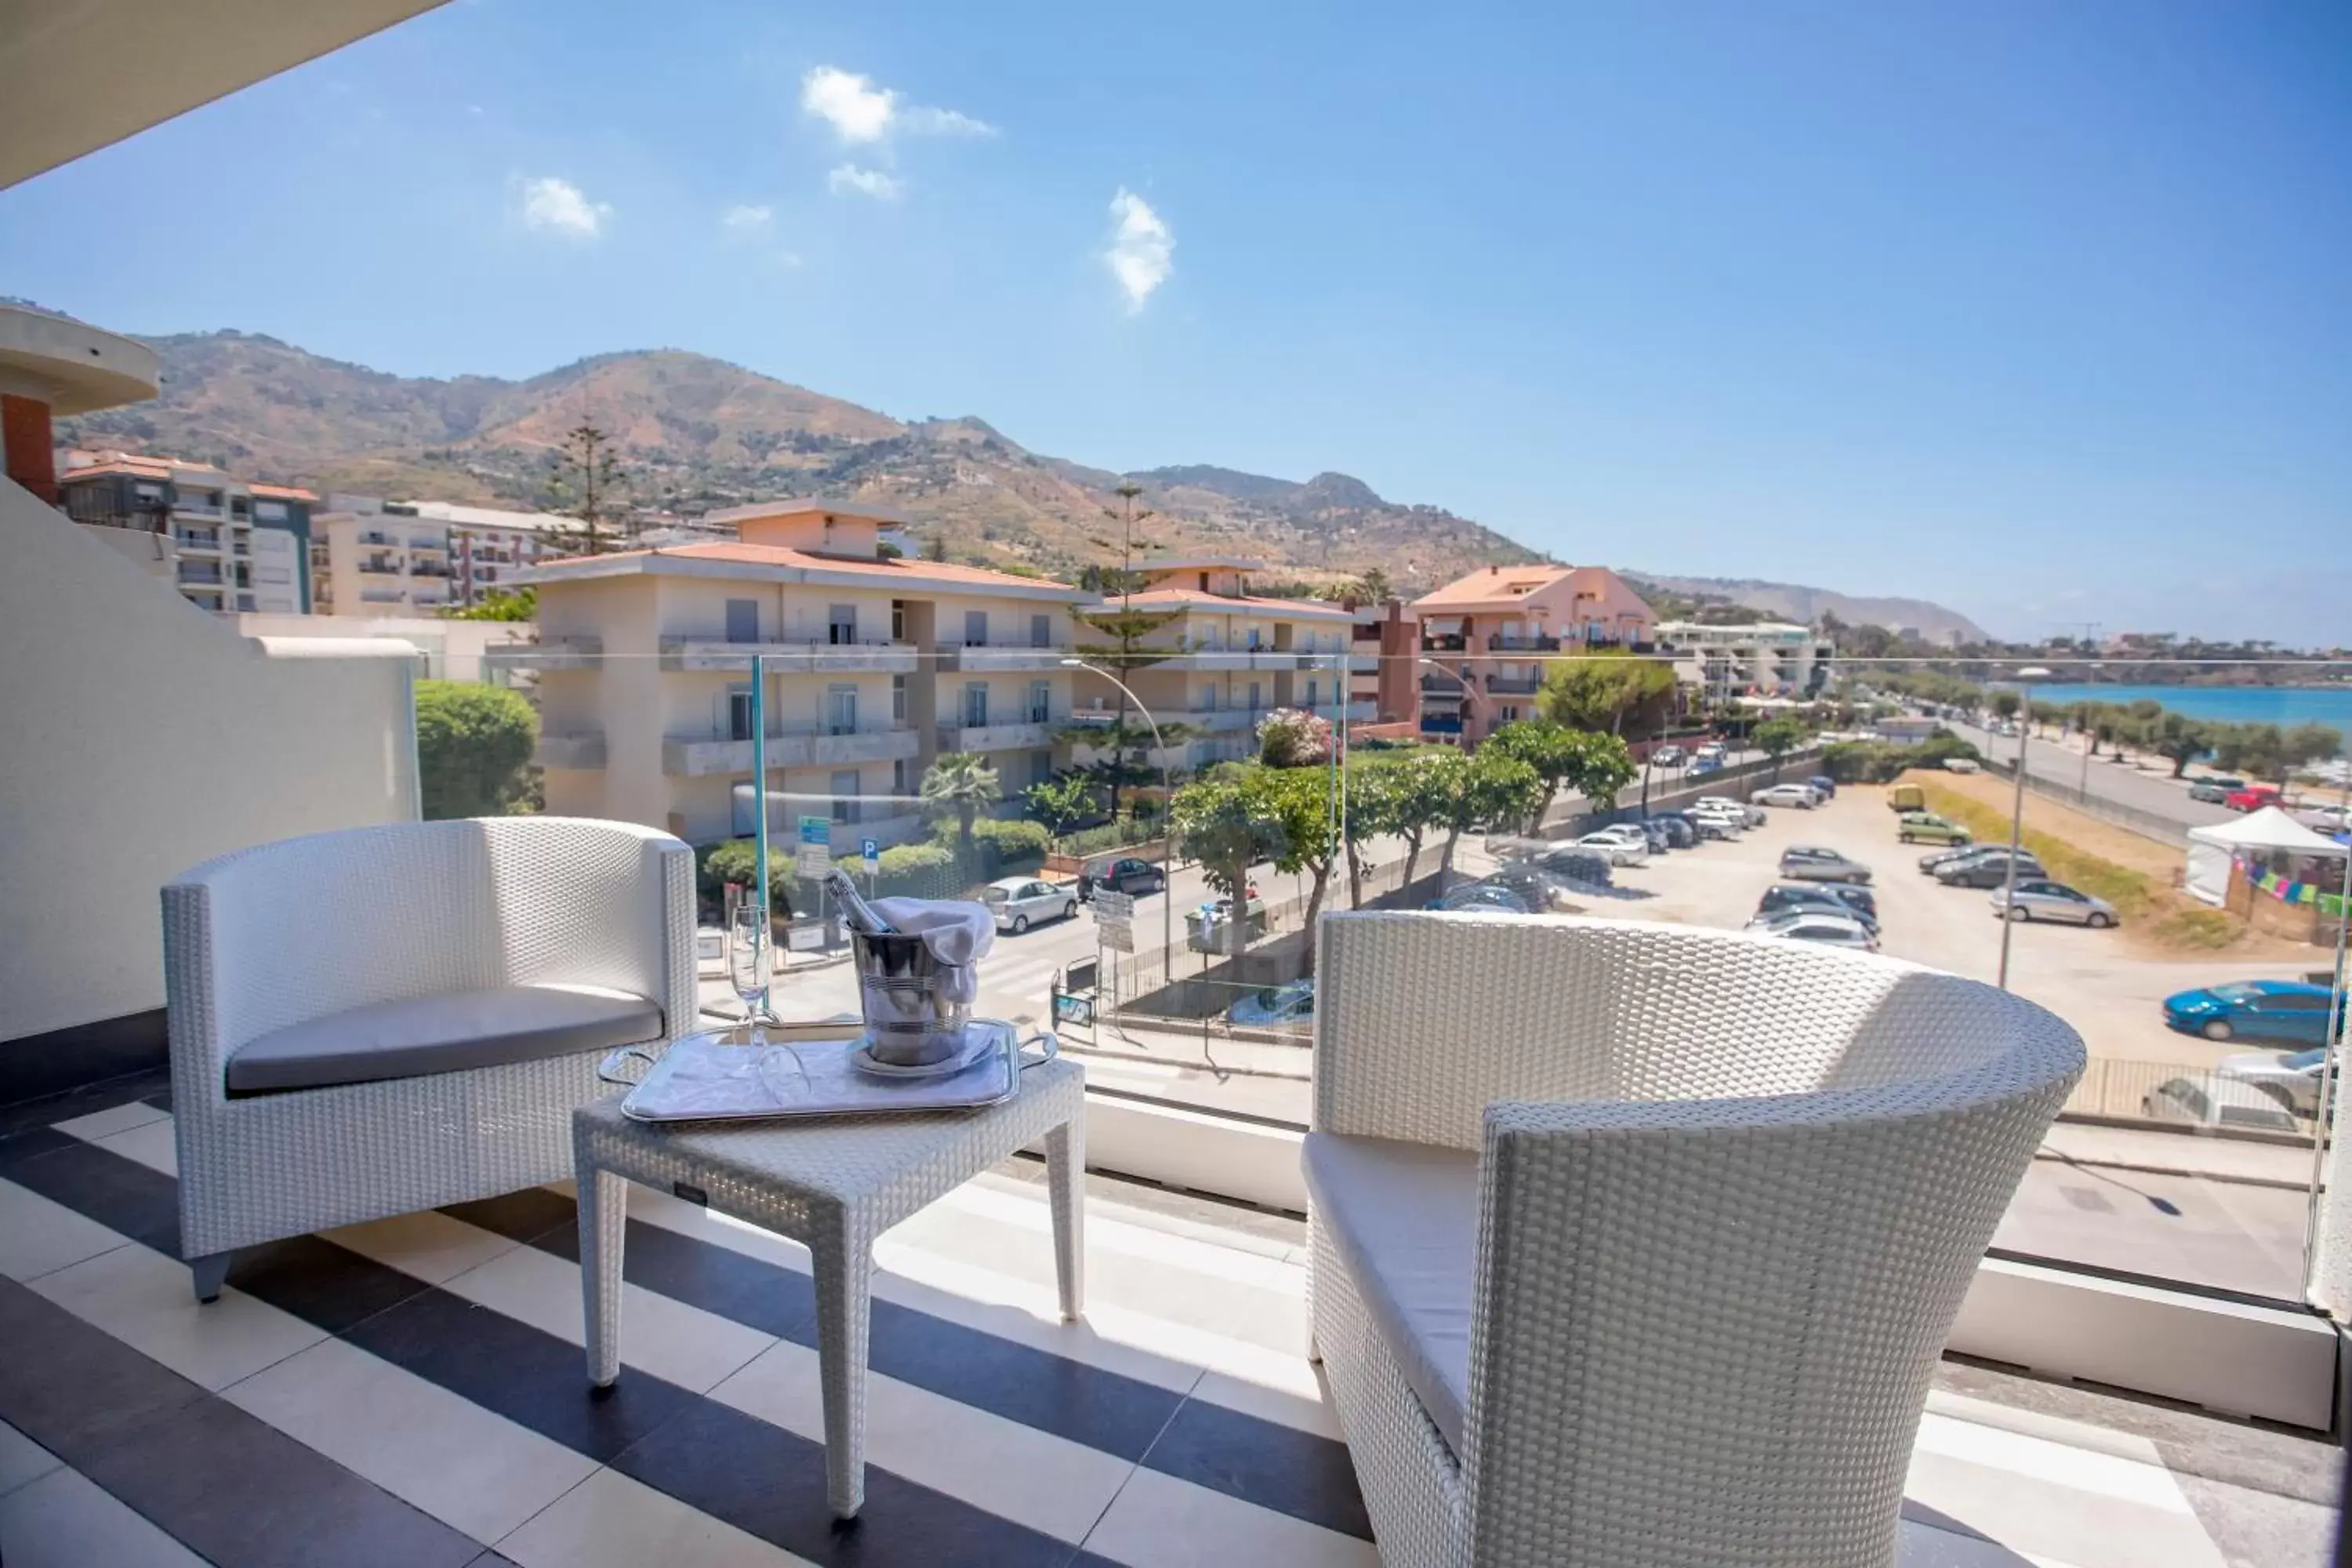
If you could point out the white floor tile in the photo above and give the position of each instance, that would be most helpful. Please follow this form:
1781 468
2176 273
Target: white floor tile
427 1245
66 1520
2078 1469
155 1144
37 1235
1922 1546
2036 1423
1158 1522
115 1118
676 1342
2039 1518
472 1470
1285 1404
21 1459
611 1522
1013 1471
141 1297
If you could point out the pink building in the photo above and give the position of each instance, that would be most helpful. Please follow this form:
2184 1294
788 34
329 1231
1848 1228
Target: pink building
1485 639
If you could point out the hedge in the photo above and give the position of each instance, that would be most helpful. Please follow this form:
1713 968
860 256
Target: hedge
1882 762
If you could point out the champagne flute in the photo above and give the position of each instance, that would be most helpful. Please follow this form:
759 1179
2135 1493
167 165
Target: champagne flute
751 963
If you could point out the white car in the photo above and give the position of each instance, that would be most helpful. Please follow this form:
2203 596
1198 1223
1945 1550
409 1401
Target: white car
1802 796
1020 902
1727 821
1816 925
1960 765
1625 846
2292 1080
1751 815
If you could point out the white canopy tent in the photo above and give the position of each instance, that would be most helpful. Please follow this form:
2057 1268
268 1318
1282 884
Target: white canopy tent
2211 849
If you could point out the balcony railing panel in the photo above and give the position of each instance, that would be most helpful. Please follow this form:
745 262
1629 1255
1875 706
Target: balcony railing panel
1011 735
983 657
702 654
700 754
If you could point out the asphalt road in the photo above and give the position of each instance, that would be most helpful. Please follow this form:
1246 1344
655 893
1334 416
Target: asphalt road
2148 788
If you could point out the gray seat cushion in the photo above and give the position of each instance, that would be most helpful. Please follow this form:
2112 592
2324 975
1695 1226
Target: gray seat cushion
443 1034
1404 1219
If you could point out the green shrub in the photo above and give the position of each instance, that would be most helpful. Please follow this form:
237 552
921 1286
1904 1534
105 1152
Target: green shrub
473 745
736 860
1881 762
1012 840
904 859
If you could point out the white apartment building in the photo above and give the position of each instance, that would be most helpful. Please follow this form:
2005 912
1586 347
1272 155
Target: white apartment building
1231 657
373 557
1769 658
875 667
226 545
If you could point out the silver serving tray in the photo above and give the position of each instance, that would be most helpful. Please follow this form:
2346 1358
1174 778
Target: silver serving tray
711 1075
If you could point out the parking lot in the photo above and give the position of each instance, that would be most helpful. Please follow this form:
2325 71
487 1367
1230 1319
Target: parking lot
2090 978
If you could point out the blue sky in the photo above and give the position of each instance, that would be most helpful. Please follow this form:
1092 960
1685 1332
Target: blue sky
2043 311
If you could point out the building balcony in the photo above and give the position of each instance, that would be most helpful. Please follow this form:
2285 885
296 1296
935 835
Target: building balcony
378 538
1522 642
379 567
1513 684
1229 659
716 654
1010 736
432 542
548 654
998 657
579 749
382 596
197 541
197 574
1447 642
707 754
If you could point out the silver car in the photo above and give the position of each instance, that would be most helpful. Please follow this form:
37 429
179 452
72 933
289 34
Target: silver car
1807 863
1020 902
2292 1080
1816 925
2039 898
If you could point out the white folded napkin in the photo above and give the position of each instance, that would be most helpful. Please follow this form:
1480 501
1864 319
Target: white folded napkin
957 933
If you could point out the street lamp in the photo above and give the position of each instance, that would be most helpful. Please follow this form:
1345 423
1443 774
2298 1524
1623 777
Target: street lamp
2025 678
1167 825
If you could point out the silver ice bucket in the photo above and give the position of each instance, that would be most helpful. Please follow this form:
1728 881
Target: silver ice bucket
909 1021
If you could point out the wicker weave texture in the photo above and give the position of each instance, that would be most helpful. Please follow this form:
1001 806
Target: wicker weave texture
287 932
1732 1193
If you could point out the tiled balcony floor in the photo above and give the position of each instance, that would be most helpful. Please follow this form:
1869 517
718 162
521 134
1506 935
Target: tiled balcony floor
411 1393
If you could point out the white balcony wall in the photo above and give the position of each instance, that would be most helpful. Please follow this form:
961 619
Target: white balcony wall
143 736
696 610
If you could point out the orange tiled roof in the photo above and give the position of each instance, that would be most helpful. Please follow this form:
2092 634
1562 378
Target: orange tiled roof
902 570
1490 589
1173 598
282 492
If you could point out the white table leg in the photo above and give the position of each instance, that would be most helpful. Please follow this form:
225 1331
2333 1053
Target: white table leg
1066 1178
603 1220
844 1316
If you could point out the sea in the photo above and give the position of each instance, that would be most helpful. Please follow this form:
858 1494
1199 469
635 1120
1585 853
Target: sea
2283 705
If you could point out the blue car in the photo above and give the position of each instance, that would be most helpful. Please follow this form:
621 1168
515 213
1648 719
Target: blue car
2287 1011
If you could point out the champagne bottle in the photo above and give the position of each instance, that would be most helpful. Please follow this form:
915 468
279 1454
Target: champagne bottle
855 913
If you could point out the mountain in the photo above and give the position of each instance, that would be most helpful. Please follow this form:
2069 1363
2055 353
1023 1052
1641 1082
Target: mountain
697 433
1793 601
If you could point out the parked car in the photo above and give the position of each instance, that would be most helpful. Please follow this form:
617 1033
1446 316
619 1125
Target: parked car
1705 765
1906 797
2215 790
2292 1080
1989 868
1783 896
1290 1003
2254 797
1960 765
1580 865
1655 831
2217 1104
1482 896
1625 846
1823 785
2041 898
1817 925
1681 832
1539 892
1020 902
2285 1010
1796 794
1667 757
1710 753
1709 824
1926 828
1754 815
1121 874
1809 863
1931 863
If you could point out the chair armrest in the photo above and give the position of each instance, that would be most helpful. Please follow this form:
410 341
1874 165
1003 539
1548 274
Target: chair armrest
590 902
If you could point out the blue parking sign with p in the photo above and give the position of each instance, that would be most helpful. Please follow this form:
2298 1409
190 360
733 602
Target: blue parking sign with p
870 850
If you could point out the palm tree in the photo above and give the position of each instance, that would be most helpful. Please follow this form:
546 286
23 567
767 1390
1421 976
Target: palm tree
959 782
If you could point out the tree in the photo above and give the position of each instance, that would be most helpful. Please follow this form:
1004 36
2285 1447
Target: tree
1374 794
1775 738
1294 807
1492 787
1217 827
1596 766
473 748
2309 743
1060 802
584 482
1375 585
961 782
2180 741
1294 738
2005 704
498 605
1426 784
1600 690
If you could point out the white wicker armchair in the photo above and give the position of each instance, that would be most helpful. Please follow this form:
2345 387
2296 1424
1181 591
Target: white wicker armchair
1636 1245
324 937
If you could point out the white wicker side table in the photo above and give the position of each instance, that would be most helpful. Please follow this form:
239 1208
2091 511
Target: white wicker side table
834 1184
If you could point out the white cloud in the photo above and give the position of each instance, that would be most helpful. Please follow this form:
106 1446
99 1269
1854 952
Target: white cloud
863 114
559 205
872 183
1142 248
788 258
747 218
